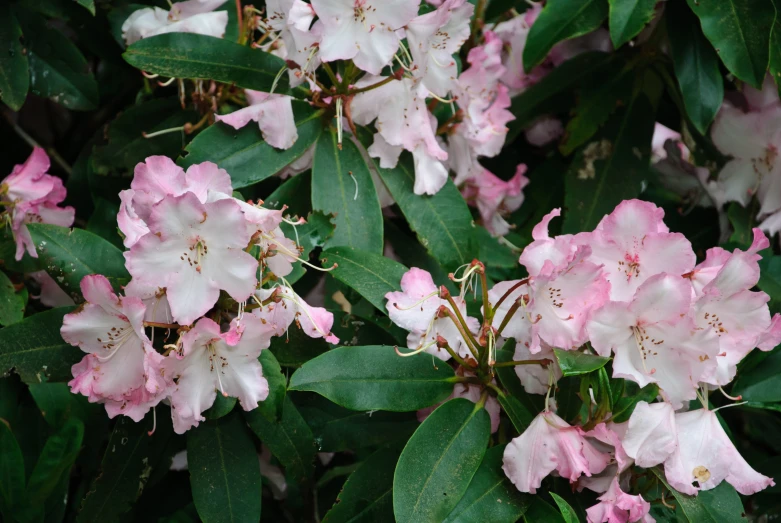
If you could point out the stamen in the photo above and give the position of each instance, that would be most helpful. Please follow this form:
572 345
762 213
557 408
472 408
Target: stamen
422 300
284 250
733 398
150 76
416 351
276 80
167 82
154 421
355 181
730 405
164 131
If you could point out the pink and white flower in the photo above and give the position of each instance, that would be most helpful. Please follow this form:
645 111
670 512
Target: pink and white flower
496 198
272 112
281 306
192 16
616 506
651 434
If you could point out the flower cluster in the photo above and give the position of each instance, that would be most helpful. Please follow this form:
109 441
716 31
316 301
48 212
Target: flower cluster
630 290
197 256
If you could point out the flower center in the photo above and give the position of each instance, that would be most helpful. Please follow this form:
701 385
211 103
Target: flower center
218 363
114 339
646 345
715 323
195 255
630 266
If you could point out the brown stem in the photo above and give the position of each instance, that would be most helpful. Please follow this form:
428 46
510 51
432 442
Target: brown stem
510 291
161 325
372 86
543 362
460 317
510 314
456 357
460 326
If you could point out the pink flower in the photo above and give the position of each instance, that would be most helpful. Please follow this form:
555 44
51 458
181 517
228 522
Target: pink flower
543 131
110 330
633 244
363 30
513 34
210 361
706 455
651 434
549 444
273 114
616 506
767 97
194 251
653 339
534 378
496 198
518 327
154 299
291 19
193 16
771 338
285 306
472 393
559 250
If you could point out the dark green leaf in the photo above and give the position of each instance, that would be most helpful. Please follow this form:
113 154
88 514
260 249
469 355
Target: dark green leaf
314 233
11 303
103 222
762 383
519 414
627 19
89 5
375 378
271 407
289 439
70 254
719 505
574 363
245 155
439 461
367 495
774 65
740 32
567 512
54 400
342 185
696 67
221 407
770 280
541 510
491 496
224 471
14 78
493 253
36 351
11 471
610 168
188 55
624 407
56 459
561 20
372 275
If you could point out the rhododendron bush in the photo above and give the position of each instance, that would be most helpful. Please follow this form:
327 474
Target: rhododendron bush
390 260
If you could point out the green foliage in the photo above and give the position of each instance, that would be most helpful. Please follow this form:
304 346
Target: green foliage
627 18
14 80
577 363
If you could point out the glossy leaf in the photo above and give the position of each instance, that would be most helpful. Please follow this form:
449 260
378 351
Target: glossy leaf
34 349
624 407
271 407
371 275
519 414
12 478
56 459
245 155
224 471
289 439
70 254
54 401
221 407
541 510
491 496
189 55
561 20
770 280
574 363
762 383
439 461
740 31
375 378
11 303
696 66
567 512
342 185
719 505
627 18
14 78
367 495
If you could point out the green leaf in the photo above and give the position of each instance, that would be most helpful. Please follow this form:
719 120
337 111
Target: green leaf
11 471
541 510
367 495
740 32
774 66
342 185
58 70
289 439
442 222
221 407
762 383
519 414
627 19
244 153
528 405
561 20
491 496
103 222
194 56
14 78
567 512
494 254
34 349
89 5
770 280
574 363
439 461
56 459
11 304
224 471
719 505
610 168
54 401
696 66
375 378
70 254
271 407
314 233
625 406
372 275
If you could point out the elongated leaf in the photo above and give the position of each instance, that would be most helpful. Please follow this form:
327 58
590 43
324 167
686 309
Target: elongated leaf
439 461
774 65
245 155
188 55
14 78
367 495
541 510
271 407
89 5
740 32
289 439
54 401
719 505
561 20
530 403
370 274
567 512
56 459
696 66
625 406
11 303
491 496
575 363
36 351
763 382
610 168
224 471
11 471
70 254
221 407
519 414
342 185
770 279
627 19
442 222
375 378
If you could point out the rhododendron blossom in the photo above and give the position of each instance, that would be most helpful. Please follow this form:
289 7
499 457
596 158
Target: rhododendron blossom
272 112
192 16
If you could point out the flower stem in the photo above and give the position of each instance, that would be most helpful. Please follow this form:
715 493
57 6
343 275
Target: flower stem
510 291
468 337
461 330
161 325
372 86
542 362
510 314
